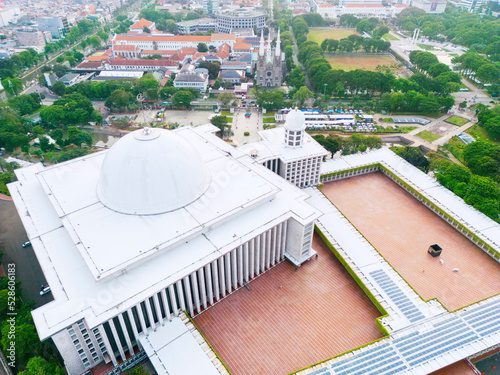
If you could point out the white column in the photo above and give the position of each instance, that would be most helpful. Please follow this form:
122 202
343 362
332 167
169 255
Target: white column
251 262
180 293
278 245
245 262
215 279
283 240
257 255
234 269
208 278
240 264
171 293
130 315
187 289
222 276
196 294
166 306
158 308
268 248
140 313
203 288
117 339
150 314
125 333
227 262
273 243
263 246
102 331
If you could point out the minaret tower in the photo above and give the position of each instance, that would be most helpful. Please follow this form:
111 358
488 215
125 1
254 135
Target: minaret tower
294 128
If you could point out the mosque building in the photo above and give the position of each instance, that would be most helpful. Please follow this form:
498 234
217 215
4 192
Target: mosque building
161 223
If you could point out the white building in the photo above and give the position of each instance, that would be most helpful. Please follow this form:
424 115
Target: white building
429 6
173 42
241 18
163 222
289 151
190 77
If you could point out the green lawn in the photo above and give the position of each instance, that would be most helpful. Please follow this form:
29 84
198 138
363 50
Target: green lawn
457 120
318 35
407 129
425 47
428 136
456 147
480 134
361 61
389 36
226 113
269 120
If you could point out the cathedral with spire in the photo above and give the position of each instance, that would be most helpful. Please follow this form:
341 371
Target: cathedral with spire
270 68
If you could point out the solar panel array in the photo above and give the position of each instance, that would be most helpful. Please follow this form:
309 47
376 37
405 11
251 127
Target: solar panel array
486 320
444 337
393 356
380 360
397 296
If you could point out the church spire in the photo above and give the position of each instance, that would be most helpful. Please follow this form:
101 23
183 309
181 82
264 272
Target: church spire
261 46
278 44
269 43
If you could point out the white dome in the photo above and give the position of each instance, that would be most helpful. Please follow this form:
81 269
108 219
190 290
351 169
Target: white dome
295 120
151 171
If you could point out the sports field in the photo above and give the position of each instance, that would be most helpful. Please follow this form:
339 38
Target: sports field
362 61
318 35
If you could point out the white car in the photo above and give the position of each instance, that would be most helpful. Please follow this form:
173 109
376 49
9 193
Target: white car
44 289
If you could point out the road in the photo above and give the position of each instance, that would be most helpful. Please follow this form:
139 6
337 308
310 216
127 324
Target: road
28 271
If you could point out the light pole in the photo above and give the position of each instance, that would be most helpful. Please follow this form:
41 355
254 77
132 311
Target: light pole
324 91
140 97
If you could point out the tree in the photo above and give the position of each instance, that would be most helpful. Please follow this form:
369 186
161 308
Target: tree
226 98
218 83
296 78
146 30
302 95
332 143
212 67
413 155
40 366
12 85
119 100
182 99
270 100
58 88
202 47
222 122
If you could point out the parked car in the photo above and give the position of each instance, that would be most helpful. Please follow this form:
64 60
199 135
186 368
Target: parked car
44 289
26 244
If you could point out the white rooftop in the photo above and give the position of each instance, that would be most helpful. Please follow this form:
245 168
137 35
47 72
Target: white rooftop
273 146
80 242
173 350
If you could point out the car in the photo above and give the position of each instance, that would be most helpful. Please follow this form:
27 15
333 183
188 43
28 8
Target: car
26 244
44 289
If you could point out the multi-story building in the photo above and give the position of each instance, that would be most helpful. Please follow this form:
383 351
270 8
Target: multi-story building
160 225
140 64
244 18
57 26
373 8
8 15
173 42
270 67
289 151
210 7
30 38
429 6
200 25
190 77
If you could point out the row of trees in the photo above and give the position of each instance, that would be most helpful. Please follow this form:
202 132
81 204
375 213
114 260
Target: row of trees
355 43
472 63
479 32
348 145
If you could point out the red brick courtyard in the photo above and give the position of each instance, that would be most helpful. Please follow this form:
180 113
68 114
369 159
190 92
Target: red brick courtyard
291 319
402 229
